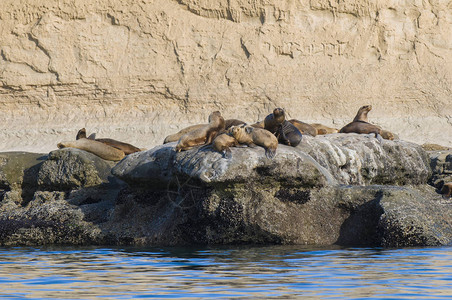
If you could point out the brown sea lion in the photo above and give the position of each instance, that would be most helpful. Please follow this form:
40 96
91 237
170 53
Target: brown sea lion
228 123
259 124
447 190
322 129
175 137
285 131
203 135
222 143
362 113
361 127
304 127
125 147
252 136
100 149
360 124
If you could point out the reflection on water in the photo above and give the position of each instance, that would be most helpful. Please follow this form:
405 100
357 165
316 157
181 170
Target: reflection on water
229 272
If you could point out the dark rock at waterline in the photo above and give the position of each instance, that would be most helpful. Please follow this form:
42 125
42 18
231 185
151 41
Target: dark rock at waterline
198 197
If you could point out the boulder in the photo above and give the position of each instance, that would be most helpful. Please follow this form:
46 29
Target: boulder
71 168
331 159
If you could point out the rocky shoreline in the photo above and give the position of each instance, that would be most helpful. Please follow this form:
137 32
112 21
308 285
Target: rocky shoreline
343 189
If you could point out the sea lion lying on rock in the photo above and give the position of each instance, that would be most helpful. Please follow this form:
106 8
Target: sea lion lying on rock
203 135
285 131
126 148
100 149
175 137
252 136
222 143
304 127
322 129
360 124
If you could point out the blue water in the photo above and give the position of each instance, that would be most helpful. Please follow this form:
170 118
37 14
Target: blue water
283 272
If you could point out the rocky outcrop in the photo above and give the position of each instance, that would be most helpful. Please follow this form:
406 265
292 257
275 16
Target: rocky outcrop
199 197
138 71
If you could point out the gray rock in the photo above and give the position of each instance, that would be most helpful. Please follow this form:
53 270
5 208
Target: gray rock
361 159
71 168
441 164
18 172
330 159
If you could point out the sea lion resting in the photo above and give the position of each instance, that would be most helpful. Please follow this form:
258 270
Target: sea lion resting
126 148
100 149
322 129
360 124
285 131
222 143
304 127
252 136
175 137
203 135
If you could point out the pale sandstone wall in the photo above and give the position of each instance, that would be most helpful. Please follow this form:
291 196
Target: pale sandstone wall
140 70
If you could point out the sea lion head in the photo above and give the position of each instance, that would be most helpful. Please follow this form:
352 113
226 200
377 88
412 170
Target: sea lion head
214 114
366 108
278 112
81 134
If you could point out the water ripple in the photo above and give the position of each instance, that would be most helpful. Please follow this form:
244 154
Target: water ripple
283 272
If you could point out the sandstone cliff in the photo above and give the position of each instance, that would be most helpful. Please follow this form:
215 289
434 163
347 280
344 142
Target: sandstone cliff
140 70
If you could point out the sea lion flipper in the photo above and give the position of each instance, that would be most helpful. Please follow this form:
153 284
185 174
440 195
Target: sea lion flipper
252 145
270 153
227 153
379 138
92 136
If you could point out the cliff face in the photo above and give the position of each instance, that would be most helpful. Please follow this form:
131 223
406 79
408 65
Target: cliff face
138 71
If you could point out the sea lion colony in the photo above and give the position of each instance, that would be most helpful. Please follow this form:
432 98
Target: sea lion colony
224 134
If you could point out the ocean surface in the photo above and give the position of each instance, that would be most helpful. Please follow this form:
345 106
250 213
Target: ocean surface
282 272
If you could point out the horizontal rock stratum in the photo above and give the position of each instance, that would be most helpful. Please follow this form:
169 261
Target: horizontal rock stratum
139 70
344 189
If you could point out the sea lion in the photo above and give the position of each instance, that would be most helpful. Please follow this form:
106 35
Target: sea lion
175 137
361 125
232 122
259 124
125 147
100 149
304 127
285 131
322 129
203 135
362 113
222 143
447 190
252 136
